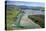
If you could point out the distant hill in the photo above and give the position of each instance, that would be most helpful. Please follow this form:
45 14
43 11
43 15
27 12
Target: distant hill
25 7
35 4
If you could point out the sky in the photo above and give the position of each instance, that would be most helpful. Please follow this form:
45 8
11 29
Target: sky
25 2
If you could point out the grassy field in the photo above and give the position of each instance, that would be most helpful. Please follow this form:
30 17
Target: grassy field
11 14
39 19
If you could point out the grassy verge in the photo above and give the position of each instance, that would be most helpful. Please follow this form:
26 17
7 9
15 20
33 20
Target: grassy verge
11 14
39 19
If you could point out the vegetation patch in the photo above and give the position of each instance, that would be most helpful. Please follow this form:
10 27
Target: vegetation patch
11 14
39 19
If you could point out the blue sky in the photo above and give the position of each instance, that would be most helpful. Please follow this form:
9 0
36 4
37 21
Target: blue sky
26 3
26 0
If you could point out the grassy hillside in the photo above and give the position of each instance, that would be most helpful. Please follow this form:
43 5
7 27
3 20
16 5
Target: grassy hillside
39 19
38 8
11 14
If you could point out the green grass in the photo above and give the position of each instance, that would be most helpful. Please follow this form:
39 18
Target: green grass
38 8
39 19
11 14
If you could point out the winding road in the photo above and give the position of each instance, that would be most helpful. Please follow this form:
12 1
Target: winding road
25 22
28 23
